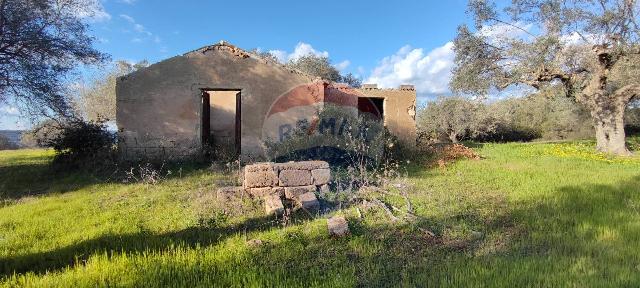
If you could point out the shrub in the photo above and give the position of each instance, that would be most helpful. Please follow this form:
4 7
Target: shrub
451 118
81 143
6 144
41 134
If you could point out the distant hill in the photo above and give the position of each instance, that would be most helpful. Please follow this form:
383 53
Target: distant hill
13 135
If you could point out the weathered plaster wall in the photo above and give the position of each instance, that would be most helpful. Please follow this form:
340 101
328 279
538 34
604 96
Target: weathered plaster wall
159 107
399 111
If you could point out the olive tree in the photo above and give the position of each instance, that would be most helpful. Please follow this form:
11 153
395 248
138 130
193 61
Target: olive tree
41 41
453 117
590 48
97 99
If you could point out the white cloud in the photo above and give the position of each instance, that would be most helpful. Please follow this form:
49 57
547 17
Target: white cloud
500 32
282 56
576 39
342 65
128 18
101 16
429 72
304 49
301 49
93 12
140 29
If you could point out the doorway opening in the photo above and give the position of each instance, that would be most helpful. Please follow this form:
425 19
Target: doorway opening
221 120
374 106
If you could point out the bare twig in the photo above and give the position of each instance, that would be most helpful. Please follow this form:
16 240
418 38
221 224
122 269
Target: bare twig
386 209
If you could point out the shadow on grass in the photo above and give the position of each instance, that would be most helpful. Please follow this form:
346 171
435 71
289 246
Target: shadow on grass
581 236
32 179
127 243
35 178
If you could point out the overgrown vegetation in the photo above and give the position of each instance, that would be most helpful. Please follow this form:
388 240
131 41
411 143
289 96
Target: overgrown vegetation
525 214
83 143
6 144
588 49
96 99
537 116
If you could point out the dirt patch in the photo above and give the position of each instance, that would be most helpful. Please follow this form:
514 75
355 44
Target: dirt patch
445 154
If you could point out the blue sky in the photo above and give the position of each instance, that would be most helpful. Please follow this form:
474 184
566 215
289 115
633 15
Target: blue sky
387 42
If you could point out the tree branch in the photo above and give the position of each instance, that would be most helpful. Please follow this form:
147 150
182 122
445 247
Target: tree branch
627 93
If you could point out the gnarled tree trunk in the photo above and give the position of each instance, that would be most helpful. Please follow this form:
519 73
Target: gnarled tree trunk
610 136
607 110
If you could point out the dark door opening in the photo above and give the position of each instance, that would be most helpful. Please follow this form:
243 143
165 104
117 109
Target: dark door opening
371 105
206 119
221 120
238 126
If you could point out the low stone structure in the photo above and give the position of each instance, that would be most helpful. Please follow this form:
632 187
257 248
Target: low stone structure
297 182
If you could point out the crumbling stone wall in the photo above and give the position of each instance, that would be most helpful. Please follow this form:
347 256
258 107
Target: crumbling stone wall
399 110
297 182
159 108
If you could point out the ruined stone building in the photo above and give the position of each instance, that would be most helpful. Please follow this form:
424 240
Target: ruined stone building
222 94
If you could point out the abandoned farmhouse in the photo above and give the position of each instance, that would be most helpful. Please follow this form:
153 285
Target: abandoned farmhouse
222 94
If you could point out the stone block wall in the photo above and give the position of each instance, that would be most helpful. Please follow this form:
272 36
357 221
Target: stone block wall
296 182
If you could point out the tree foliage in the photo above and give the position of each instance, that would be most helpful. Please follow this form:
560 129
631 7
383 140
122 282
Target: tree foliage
41 41
589 48
97 100
314 65
451 117
318 66
537 116
81 143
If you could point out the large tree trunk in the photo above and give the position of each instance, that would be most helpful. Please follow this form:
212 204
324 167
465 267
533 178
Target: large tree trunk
607 107
610 136
607 112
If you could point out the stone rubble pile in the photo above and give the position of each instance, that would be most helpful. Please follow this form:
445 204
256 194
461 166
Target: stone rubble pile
297 182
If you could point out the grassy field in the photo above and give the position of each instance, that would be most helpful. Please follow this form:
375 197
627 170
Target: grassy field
525 215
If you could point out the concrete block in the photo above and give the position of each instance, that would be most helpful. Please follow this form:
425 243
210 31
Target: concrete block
266 191
308 201
295 178
294 192
302 165
273 205
277 191
256 179
263 166
338 226
260 192
321 176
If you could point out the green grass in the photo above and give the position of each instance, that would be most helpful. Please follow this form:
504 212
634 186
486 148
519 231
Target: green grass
525 215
